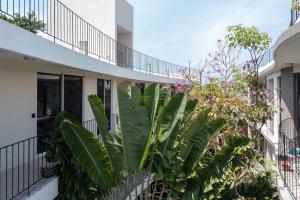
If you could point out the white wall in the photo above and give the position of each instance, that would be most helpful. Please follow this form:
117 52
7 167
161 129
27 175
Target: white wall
20 41
126 39
90 87
100 13
48 192
18 100
124 15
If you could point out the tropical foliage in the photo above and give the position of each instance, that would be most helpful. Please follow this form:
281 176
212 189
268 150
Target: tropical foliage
161 134
29 22
230 86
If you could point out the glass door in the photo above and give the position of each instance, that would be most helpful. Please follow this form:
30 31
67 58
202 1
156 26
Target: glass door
73 95
48 104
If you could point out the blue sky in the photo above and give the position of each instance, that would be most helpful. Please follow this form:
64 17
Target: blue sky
182 30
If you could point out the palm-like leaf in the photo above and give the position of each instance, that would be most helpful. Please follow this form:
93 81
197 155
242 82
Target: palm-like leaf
115 152
169 116
133 125
188 113
198 138
90 153
168 145
215 169
151 99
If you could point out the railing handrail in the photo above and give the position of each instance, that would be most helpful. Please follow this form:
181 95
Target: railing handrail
288 157
295 12
267 57
64 25
21 162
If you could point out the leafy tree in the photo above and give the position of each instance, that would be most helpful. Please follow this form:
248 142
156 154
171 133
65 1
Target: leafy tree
250 39
256 44
29 22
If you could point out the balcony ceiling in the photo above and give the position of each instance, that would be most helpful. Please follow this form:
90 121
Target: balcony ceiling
287 46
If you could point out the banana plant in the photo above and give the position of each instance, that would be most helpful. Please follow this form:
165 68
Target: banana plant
156 132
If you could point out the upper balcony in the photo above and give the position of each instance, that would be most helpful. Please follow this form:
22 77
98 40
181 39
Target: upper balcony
267 63
286 48
64 27
295 12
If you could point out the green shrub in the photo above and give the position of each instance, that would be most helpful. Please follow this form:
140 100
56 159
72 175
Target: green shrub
29 22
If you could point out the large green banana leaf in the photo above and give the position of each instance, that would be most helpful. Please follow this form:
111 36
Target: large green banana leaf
168 145
198 137
215 168
164 98
90 153
115 151
151 100
186 147
188 113
134 126
169 116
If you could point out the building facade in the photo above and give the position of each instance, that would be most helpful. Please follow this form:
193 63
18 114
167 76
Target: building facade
80 48
280 71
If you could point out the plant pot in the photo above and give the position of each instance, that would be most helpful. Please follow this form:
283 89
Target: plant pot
48 172
286 166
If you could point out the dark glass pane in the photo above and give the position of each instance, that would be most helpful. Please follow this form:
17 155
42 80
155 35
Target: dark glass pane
48 105
107 89
104 93
141 86
100 89
73 96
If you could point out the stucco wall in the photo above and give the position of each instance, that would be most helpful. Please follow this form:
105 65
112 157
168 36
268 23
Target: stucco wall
17 102
20 41
126 39
18 99
100 13
287 94
124 15
48 192
90 87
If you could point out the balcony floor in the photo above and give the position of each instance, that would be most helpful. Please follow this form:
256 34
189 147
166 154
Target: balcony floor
14 181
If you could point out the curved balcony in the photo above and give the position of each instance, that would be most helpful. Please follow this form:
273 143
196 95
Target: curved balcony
295 12
267 62
66 28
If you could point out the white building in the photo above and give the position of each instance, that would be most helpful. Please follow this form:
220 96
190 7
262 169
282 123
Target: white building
86 47
280 71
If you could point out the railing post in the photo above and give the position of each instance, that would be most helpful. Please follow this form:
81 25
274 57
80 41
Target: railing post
54 16
28 175
284 161
72 30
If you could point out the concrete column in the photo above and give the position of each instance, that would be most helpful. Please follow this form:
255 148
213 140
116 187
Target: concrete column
277 108
276 117
89 87
287 93
288 96
114 105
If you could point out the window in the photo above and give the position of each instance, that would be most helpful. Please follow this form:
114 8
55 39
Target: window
73 96
104 93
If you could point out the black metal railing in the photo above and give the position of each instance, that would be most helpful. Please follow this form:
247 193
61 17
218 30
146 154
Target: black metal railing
25 163
267 57
295 11
21 166
65 27
289 157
